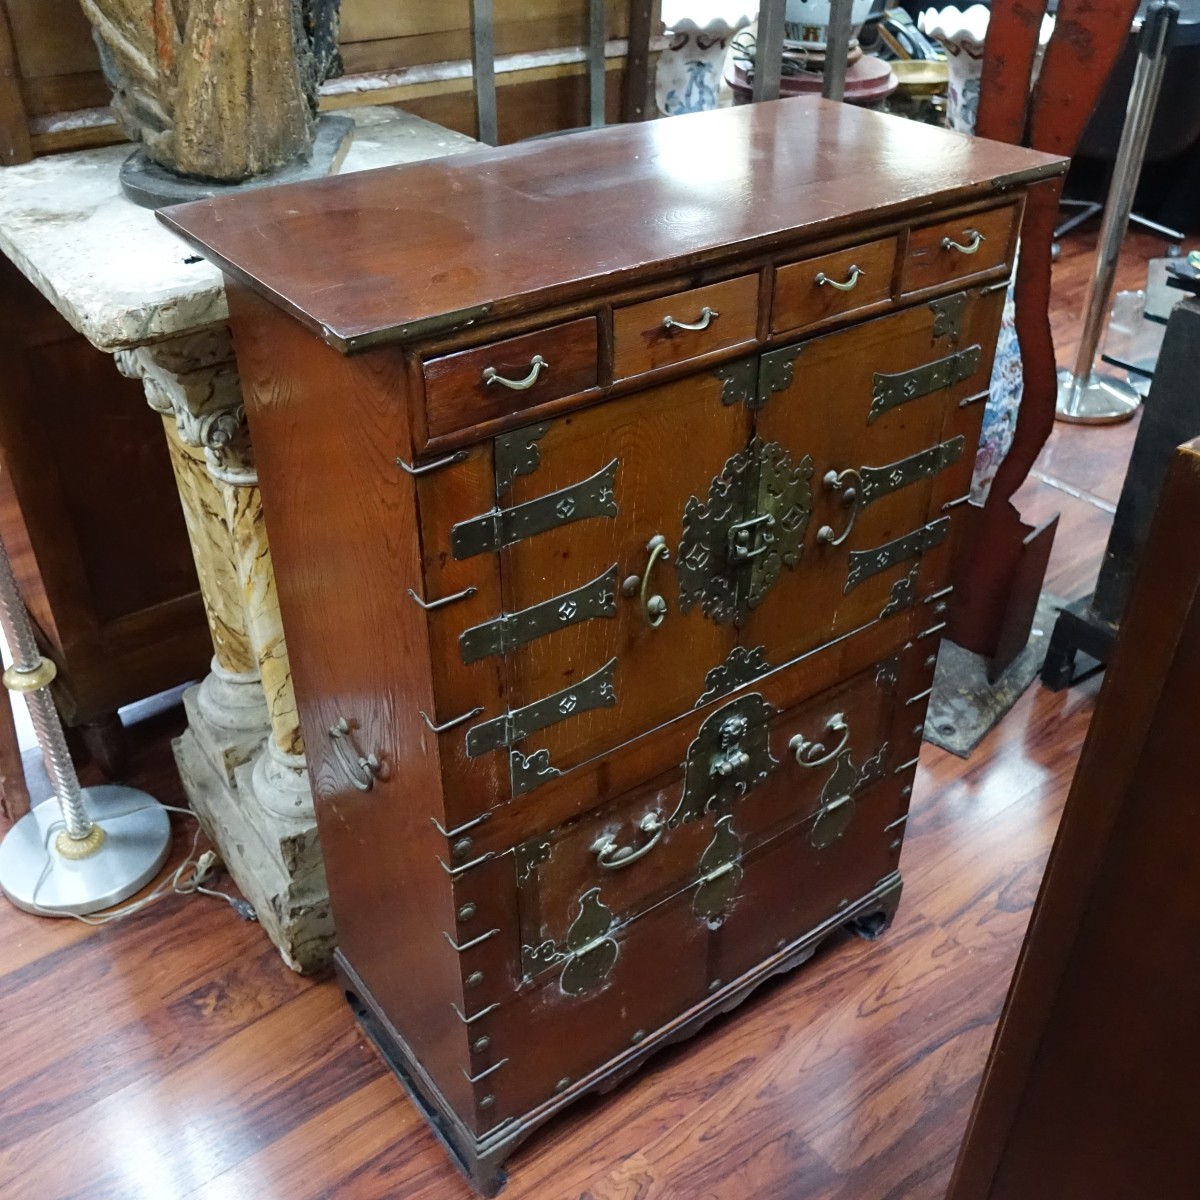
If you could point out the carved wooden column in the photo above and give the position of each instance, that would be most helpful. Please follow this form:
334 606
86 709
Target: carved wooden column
242 755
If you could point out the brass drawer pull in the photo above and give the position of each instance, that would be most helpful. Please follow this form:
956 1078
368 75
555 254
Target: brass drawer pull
707 316
977 240
611 856
654 608
849 483
433 605
851 282
814 754
454 721
536 365
360 770
436 465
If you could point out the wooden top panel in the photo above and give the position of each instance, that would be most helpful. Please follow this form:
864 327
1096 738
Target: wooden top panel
399 253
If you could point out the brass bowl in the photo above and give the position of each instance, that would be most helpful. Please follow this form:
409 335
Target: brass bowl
921 77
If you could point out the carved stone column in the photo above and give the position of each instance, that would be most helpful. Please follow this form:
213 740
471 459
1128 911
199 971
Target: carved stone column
242 755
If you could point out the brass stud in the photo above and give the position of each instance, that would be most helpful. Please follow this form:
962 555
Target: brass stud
487 1101
563 1084
906 791
467 911
715 985
638 1035
474 979
931 662
462 847
895 846
843 904
481 1044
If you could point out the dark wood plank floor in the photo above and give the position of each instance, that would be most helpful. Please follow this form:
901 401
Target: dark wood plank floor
174 1056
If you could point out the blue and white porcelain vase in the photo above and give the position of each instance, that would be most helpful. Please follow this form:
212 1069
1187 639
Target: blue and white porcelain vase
689 72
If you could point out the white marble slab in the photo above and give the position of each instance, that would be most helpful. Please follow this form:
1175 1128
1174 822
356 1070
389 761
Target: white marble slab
118 276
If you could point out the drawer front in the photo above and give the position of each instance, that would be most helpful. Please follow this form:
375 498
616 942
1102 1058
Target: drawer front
505 377
656 333
645 846
651 970
959 248
817 289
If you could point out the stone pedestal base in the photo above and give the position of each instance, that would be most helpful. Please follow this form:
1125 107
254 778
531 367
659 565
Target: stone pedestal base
274 860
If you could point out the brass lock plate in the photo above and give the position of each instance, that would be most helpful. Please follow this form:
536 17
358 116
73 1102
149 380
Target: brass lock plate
729 755
720 871
737 541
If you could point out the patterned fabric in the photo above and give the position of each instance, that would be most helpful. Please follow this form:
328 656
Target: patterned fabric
1002 406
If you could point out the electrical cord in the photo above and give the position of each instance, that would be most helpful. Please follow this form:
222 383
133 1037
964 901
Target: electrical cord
180 882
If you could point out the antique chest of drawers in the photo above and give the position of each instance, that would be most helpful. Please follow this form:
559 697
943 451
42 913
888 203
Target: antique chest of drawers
611 485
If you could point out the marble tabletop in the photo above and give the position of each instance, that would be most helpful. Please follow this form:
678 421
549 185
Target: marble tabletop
118 276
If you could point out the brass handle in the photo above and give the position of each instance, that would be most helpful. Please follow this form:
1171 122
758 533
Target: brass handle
536 365
814 754
654 608
977 240
611 856
849 483
360 770
851 279
707 316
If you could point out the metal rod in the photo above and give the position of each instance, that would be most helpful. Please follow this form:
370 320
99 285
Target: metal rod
596 18
1143 98
483 65
38 672
768 49
837 50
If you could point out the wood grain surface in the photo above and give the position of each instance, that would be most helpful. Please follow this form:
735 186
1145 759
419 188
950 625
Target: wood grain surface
173 1054
379 254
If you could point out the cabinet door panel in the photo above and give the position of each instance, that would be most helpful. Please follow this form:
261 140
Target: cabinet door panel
659 447
870 405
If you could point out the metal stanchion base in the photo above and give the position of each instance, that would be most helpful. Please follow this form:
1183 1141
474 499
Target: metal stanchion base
37 878
1100 399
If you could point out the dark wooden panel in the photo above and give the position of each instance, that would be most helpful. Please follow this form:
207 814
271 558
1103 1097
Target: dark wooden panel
1090 1085
547 221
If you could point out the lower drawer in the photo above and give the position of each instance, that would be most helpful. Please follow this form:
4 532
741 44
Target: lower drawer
643 976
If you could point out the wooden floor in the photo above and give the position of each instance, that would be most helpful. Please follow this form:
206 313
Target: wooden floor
173 1056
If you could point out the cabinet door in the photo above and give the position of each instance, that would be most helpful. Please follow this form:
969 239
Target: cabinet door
875 407
596 646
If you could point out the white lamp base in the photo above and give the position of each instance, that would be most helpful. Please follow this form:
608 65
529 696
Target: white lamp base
38 879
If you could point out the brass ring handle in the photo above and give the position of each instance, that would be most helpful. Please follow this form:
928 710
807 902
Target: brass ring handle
537 364
707 316
856 272
849 483
977 240
610 856
814 754
654 608
360 770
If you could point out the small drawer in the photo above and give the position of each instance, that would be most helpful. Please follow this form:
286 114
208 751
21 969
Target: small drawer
505 377
959 248
672 329
816 289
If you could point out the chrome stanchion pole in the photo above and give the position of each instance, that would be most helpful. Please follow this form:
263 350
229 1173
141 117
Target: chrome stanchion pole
84 849
837 50
1087 396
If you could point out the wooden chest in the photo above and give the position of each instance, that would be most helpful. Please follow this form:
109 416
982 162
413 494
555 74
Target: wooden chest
611 485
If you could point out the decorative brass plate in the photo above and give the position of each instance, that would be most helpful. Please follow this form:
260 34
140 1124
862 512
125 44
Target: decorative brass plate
595 599
752 525
720 871
865 563
517 453
877 482
491 531
728 756
590 954
891 390
948 315
527 773
741 667
596 691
